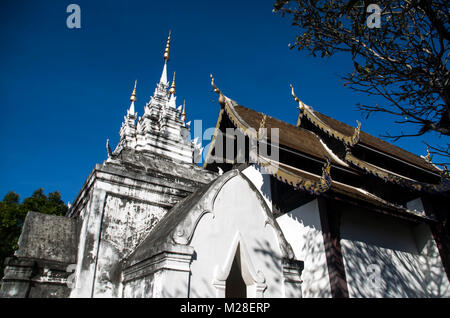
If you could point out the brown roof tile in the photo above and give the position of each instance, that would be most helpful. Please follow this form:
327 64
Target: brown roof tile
376 143
290 136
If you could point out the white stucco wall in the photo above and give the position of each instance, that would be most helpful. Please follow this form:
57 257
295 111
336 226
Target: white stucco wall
119 213
261 181
140 288
405 255
237 215
388 257
301 228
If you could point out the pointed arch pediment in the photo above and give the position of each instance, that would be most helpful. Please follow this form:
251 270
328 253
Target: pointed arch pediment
185 229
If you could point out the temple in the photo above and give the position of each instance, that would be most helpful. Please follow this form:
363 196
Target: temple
315 209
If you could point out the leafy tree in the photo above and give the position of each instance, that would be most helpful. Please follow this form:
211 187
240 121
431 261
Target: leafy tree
13 213
402 59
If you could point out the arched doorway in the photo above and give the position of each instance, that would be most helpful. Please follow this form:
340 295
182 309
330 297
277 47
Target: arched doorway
235 286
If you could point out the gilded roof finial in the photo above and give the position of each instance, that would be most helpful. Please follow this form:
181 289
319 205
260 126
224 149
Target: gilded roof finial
217 90
429 156
301 106
167 50
133 97
355 138
173 89
183 113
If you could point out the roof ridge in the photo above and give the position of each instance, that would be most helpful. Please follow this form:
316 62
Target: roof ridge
363 134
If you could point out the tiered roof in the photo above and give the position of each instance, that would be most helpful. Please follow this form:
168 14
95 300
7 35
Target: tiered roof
340 150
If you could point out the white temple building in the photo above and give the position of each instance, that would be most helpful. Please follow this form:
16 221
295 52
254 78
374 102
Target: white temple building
329 211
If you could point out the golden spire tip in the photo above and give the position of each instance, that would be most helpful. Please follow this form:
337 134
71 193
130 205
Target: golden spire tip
173 89
167 50
133 97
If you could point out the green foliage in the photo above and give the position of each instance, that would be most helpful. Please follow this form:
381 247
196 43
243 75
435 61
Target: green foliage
13 213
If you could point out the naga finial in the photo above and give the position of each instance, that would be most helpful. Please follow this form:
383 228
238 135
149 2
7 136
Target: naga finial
429 156
326 168
217 90
301 106
325 180
355 137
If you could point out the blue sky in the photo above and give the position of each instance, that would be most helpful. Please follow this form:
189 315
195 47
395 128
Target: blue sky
63 91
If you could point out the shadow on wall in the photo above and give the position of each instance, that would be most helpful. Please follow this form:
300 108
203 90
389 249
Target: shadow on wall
383 256
273 262
375 272
386 257
307 241
316 278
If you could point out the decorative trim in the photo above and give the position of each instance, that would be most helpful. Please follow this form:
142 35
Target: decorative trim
217 90
387 176
429 156
184 236
302 183
297 181
175 257
307 111
351 141
262 126
292 272
184 231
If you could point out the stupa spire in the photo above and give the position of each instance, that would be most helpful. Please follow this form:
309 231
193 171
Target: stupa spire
133 94
133 98
167 50
183 113
173 89
166 58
